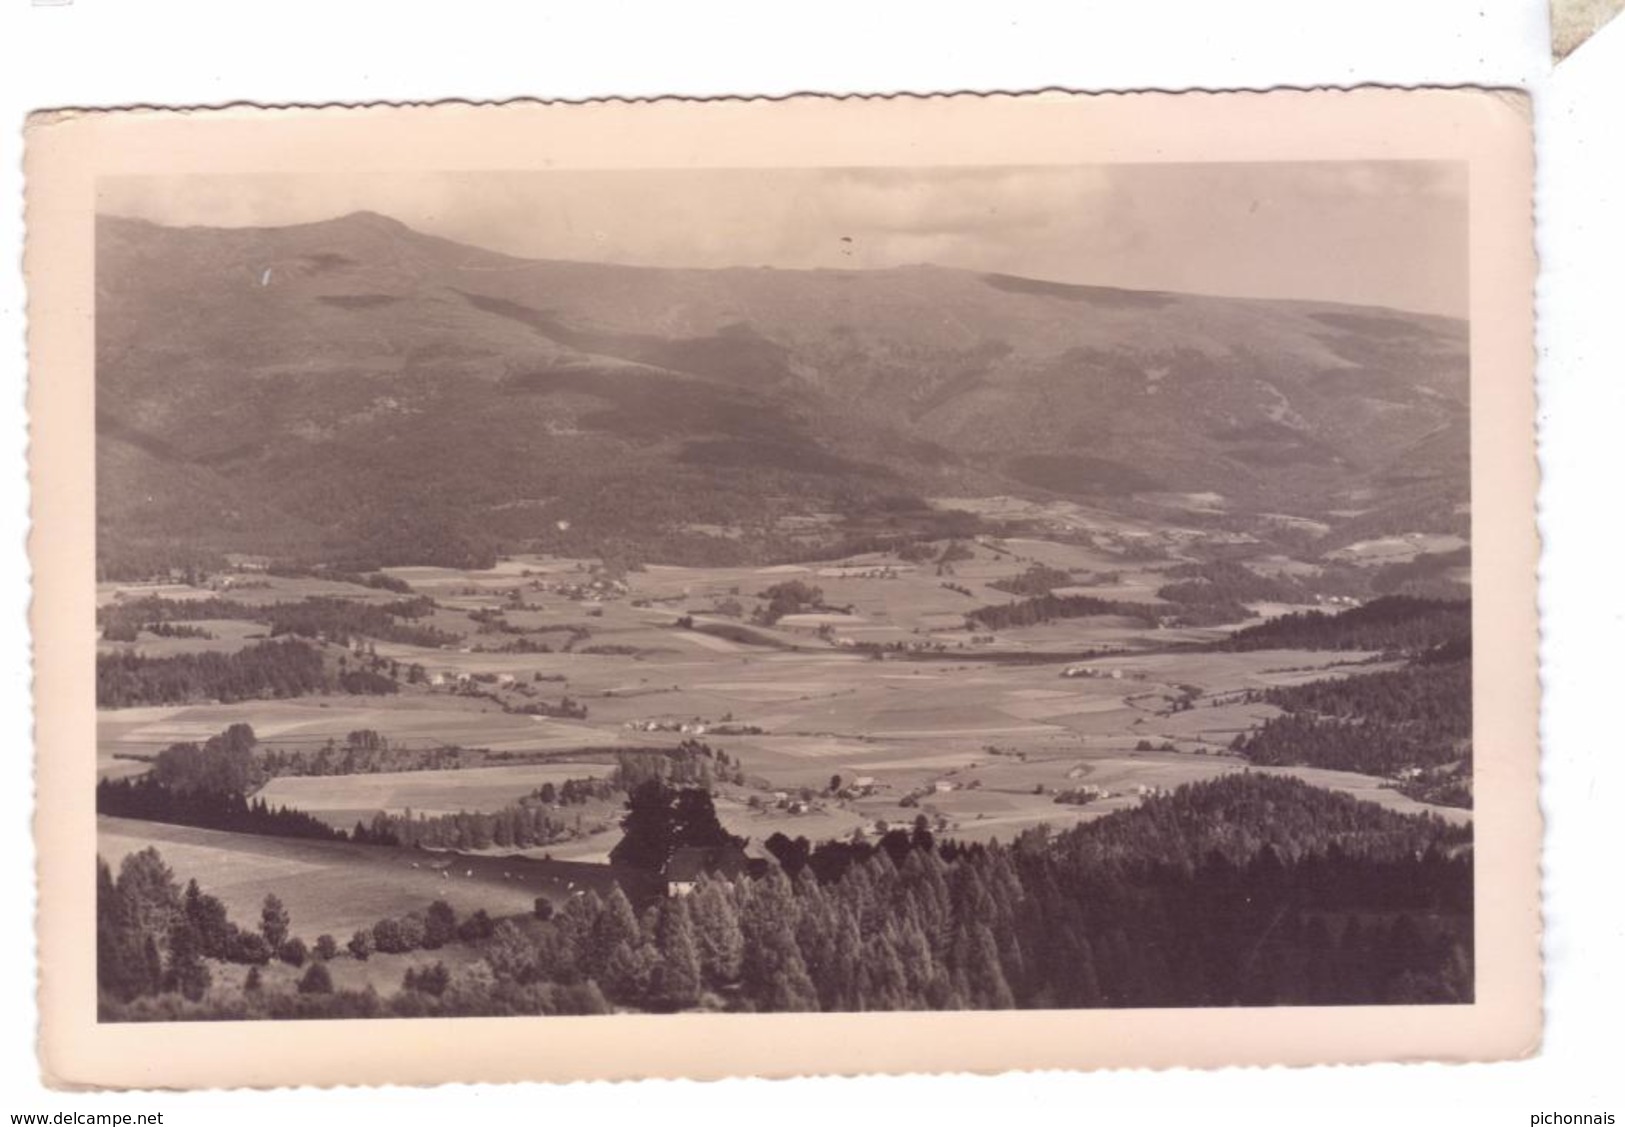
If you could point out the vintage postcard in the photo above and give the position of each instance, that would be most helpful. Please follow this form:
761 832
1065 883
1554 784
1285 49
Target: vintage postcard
758 588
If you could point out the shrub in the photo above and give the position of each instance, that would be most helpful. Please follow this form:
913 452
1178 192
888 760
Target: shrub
477 927
428 980
316 980
294 952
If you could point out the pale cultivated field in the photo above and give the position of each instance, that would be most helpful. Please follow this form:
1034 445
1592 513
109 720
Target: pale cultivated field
824 710
1398 549
410 720
275 589
341 799
327 887
229 636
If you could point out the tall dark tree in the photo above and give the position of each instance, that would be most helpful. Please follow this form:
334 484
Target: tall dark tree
207 917
187 973
439 925
662 819
274 921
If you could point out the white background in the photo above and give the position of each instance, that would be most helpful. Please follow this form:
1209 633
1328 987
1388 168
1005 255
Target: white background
183 52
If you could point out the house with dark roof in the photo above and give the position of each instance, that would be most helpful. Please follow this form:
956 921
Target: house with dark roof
685 867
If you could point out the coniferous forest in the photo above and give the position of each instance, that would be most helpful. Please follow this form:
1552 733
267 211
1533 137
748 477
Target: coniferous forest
1417 717
1247 890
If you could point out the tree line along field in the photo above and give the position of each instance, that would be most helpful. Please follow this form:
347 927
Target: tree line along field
1248 890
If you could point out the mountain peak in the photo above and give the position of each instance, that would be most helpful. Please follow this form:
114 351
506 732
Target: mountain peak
371 219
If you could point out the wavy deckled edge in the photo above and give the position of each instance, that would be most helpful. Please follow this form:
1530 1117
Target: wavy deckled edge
44 118
1516 98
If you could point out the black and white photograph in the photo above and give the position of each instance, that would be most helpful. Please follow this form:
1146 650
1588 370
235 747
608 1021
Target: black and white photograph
1008 602
783 590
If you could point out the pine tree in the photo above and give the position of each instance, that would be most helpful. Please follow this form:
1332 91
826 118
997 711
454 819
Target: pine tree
719 942
775 975
680 977
628 971
121 965
984 976
616 924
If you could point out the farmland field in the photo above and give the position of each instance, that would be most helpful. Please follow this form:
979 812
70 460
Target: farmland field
794 713
328 886
342 799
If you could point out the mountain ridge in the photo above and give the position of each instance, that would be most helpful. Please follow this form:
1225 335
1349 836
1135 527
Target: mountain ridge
281 387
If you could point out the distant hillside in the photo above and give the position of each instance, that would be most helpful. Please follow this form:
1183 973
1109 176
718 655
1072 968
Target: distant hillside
354 386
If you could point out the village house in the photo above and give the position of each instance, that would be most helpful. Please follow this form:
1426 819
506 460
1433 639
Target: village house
687 865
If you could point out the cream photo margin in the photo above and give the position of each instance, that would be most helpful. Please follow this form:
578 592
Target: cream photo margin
1489 130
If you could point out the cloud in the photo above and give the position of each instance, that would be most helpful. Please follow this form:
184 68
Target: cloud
1380 233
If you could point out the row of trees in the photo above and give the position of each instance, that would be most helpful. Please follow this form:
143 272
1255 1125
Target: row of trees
521 825
153 938
692 763
338 620
148 799
1228 582
1049 608
1038 579
274 670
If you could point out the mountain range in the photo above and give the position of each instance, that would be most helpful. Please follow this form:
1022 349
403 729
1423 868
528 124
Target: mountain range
356 388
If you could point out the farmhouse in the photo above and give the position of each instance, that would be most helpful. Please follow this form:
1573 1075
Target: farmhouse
689 863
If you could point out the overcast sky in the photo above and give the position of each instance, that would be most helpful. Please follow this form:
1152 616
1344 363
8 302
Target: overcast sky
1371 233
